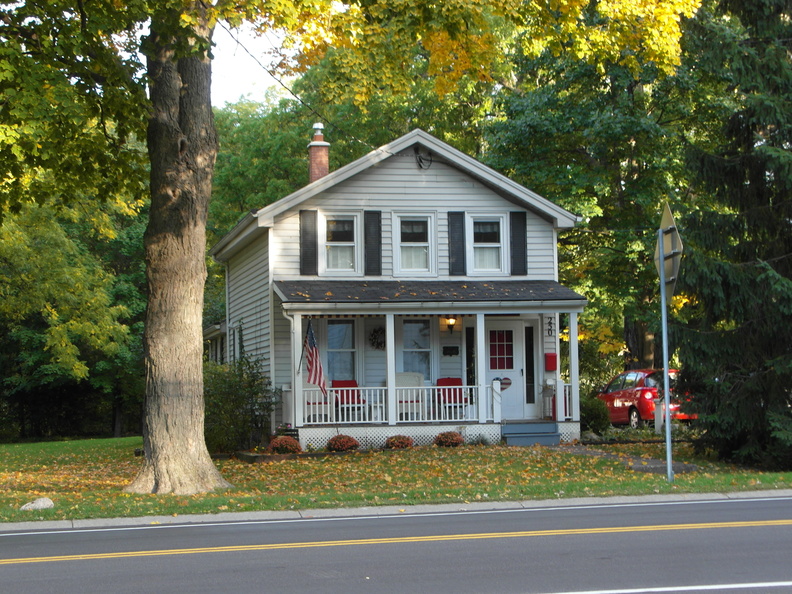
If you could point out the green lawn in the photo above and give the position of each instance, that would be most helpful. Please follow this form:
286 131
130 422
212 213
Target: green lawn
85 479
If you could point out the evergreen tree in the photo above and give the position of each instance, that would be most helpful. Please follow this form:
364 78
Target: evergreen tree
737 272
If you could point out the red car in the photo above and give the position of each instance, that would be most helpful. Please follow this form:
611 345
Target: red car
630 397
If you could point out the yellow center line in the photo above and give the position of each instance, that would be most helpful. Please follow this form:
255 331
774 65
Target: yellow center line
400 540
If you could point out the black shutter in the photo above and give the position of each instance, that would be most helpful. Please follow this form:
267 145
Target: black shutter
372 242
519 244
456 244
309 243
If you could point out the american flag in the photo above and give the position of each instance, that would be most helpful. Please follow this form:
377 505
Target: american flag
315 371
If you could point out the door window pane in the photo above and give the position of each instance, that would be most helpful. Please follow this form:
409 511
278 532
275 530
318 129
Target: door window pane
501 349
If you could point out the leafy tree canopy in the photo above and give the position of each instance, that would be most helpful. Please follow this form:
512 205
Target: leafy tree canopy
55 296
738 272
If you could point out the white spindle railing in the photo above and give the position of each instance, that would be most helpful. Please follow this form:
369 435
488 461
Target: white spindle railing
369 405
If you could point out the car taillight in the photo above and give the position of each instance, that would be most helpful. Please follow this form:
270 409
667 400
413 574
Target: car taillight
647 395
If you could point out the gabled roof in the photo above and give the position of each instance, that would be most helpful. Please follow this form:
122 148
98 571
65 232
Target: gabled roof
252 224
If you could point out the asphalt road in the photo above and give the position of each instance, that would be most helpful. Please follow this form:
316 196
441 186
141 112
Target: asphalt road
635 545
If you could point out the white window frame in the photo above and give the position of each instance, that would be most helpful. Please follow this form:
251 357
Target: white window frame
431 255
505 255
324 245
433 345
357 350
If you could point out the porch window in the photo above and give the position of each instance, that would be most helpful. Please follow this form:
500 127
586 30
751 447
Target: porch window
416 351
487 242
501 344
415 247
340 244
341 349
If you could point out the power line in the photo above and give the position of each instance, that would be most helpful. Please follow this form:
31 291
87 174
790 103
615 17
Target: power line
291 92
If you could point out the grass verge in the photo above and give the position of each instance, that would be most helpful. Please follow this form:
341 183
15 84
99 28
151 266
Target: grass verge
85 478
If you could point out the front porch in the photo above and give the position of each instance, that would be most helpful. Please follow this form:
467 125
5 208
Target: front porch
421 358
365 413
349 405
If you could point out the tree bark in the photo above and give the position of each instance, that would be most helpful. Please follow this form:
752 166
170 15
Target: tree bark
640 345
182 146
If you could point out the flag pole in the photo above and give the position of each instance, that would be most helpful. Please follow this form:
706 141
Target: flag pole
302 353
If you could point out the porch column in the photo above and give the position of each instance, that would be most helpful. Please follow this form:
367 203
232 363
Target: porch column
481 373
574 366
298 397
390 368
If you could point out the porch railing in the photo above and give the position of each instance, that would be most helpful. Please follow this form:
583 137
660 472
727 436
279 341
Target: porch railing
370 405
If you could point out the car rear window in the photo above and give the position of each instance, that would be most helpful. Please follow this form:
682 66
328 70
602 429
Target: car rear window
655 380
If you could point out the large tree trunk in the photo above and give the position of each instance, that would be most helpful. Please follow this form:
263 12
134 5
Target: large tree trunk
182 147
640 345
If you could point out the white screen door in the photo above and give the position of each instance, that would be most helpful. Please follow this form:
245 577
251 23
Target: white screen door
506 360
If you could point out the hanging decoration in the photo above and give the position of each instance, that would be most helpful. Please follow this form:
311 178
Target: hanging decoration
377 339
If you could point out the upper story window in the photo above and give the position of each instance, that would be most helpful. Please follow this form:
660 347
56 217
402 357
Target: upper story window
415 250
487 245
342 243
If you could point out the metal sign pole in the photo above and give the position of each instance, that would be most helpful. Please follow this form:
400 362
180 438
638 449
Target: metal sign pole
666 386
668 254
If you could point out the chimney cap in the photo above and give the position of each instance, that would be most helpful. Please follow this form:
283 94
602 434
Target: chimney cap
318 127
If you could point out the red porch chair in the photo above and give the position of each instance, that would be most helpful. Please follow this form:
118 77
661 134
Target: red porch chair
349 401
452 399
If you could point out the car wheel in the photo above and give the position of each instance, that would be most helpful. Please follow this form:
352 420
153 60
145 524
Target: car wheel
635 419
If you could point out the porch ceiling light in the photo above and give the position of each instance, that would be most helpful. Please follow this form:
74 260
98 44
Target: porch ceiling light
450 322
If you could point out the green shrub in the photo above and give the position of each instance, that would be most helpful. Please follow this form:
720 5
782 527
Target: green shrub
284 444
239 400
342 443
449 439
399 442
594 415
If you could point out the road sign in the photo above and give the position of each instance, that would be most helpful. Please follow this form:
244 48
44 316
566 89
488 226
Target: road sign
668 251
667 256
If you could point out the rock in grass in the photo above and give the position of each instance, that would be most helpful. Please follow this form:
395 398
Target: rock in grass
40 503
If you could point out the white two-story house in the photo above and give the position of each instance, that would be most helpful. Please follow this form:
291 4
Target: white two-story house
430 283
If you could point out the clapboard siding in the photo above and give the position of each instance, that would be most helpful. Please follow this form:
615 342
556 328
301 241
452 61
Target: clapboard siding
249 299
450 365
398 185
374 364
541 249
282 349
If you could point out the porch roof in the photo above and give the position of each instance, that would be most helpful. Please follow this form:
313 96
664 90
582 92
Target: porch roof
303 295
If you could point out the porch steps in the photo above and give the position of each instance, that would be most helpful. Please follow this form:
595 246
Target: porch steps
528 433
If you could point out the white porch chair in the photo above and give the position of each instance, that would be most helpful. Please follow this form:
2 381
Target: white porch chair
318 408
411 401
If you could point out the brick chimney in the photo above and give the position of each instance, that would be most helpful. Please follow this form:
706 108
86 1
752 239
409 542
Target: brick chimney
318 155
